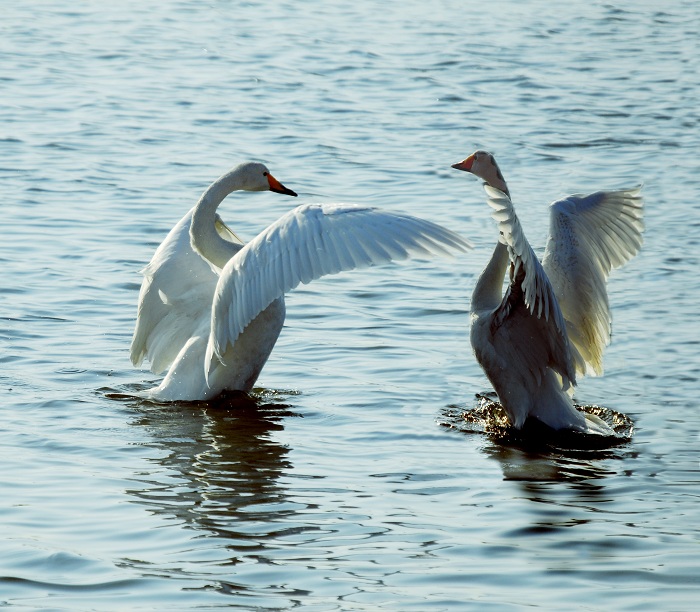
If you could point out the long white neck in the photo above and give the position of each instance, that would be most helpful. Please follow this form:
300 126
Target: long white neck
495 178
203 235
488 292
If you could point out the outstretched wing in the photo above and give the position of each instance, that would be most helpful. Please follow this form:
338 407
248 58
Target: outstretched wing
308 242
589 236
530 289
175 298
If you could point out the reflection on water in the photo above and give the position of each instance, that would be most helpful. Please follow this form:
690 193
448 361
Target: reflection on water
219 469
537 453
562 479
527 465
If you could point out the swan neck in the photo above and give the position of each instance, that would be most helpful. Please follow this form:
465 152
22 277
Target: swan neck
495 179
203 235
488 292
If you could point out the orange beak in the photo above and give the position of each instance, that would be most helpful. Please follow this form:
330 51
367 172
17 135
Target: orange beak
278 187
465 165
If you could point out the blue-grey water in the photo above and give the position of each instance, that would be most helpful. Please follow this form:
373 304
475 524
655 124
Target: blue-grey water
338 485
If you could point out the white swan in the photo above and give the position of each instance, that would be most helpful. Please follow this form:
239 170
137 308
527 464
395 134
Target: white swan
211 308
554 321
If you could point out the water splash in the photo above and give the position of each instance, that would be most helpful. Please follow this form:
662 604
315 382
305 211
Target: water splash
488 417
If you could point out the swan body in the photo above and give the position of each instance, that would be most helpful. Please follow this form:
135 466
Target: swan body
211 307
554 321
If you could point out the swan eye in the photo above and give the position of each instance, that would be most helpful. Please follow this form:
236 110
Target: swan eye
265 173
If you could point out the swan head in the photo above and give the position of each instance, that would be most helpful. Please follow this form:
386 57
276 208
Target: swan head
483 165
254 176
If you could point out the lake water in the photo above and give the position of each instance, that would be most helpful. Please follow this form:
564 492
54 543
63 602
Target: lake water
338 485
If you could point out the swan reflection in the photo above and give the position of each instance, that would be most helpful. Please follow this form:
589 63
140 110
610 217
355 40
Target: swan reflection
534 455
220 467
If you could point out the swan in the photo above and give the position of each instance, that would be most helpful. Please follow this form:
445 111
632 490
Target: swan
554 321
210 307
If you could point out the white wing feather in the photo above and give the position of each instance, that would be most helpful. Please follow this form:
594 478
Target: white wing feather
308 242
539 295
175 297
589 236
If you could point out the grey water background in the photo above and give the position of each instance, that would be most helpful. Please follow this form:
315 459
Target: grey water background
337 487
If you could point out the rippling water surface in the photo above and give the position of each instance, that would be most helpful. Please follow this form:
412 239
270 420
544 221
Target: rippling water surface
337 487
